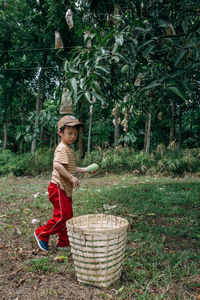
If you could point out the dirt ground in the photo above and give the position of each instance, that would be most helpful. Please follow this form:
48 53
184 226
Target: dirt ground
20 276
17 283
17 279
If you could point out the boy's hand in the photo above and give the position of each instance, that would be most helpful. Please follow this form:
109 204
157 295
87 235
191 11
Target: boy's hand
75 182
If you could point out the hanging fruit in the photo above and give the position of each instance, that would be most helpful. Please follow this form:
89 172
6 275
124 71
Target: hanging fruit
66 106
69 18
86 35
170 30
160 116
58 40
138 80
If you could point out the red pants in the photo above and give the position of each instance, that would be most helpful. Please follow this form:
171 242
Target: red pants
62 211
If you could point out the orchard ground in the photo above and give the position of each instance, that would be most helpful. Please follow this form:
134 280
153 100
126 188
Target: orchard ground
163 241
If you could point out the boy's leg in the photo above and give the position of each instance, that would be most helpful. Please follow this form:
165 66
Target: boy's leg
62 212
63 239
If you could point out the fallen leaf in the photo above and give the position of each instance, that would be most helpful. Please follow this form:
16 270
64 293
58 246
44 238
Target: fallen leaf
133 216
35 195
18 232
60 258
120 289
35 221
20 282
106 206
26 210
20 251
35 287
163 238
9 226
15 272
151 214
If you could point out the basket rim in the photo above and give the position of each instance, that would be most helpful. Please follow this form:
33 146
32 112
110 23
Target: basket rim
77 228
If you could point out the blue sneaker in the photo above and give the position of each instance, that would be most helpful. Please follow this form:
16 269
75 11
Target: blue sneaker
42 244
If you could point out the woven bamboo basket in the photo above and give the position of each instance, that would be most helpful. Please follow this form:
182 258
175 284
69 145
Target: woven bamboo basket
97 245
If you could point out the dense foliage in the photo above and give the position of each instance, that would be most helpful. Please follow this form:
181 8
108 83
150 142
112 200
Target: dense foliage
163 161
134 80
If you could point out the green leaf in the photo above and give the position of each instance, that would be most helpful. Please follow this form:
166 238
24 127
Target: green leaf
135 42
171 83
82 82
106 79
88 96
179 57
119 39
140 29
123 57
147 51
74 85
183 25
74 70
49 117
66 65
125 69
76 99
99 97
195 65
177 91
18 136
102 69
115 48
96 86
131 48
152 85
147 42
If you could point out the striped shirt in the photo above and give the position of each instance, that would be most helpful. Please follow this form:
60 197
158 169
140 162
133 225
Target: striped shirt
64 155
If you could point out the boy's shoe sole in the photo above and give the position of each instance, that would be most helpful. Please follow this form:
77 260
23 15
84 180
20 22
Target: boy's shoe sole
39 242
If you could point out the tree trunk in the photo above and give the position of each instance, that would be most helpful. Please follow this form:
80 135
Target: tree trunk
22 120
33 145
148 133
145 134
147 137
81 143
5 127
116 134
90 130
42 100
180 127
173 123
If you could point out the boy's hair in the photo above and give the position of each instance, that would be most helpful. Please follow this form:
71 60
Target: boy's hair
66 126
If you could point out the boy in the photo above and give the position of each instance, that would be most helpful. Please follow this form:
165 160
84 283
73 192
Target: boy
62 183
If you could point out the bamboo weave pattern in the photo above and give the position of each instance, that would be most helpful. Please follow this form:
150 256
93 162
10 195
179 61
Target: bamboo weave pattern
97 245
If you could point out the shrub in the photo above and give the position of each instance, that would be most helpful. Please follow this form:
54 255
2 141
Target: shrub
25 164
120 160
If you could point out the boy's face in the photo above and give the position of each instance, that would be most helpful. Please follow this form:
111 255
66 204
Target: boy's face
69 135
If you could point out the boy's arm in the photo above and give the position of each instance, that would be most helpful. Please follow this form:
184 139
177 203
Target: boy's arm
64 173
81 170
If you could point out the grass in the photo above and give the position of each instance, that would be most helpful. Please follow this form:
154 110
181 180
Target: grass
162 252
